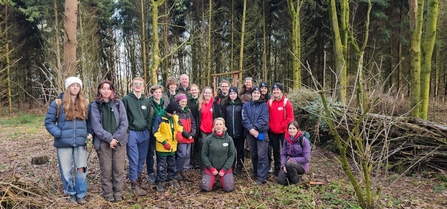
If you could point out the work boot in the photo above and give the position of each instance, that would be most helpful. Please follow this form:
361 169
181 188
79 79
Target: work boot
178 176
184 176
141 183
159 187
136 188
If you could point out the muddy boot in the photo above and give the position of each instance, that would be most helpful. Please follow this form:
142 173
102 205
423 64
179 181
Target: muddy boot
159 187
137 189
178 176
141 183
184 176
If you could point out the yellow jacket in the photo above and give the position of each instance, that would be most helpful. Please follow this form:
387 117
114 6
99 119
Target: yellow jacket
165 131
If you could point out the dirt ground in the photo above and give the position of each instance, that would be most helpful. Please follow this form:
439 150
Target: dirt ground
19 144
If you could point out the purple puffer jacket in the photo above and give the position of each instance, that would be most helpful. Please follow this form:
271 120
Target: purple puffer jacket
293 151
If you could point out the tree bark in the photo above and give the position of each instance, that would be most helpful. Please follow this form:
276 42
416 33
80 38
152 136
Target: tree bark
70 40
416 15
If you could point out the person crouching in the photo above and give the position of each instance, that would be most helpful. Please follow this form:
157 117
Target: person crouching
218 157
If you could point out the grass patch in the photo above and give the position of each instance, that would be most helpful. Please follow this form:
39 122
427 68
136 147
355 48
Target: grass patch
21 119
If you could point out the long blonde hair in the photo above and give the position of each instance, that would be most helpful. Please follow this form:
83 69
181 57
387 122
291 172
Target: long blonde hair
77 109
202 98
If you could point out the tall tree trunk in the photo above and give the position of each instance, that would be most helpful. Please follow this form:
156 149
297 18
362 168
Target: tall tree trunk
143 43
70 41
232 64
416 15
264 44
208 56
294 9
59 78
8 62
427 54
241 52
155 39
339 37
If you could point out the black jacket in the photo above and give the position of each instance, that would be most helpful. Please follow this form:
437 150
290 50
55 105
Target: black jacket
218 105
233 119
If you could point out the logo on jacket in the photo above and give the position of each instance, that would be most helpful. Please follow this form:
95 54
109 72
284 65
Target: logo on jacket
280 108
143 107
225 144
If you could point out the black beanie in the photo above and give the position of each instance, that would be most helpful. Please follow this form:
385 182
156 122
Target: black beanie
264 84
172 107
279 86
233 89
255 89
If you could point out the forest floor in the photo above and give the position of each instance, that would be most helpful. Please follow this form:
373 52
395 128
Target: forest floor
40 186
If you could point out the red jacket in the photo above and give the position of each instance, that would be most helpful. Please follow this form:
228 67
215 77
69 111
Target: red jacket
206 117
278 120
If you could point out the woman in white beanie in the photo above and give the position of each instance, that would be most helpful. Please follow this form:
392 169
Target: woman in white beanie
66 120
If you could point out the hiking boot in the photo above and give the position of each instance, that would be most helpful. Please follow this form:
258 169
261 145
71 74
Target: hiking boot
136 188
254 175
110 199
119 198
159 187
81 201
73 198
260 182
178 176
184 176
173 183
237 171
141 183
151 177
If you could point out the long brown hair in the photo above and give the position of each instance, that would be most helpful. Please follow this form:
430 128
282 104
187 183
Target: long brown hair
98 94
77 109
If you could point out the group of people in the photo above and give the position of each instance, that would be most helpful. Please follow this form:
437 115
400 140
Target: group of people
181 129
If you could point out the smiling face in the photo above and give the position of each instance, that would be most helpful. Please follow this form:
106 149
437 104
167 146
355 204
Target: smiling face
219 126
105 91
157 94
194 91
182 103
255 95
248 84
233 96
292 130
74 89
184 81
137 86
225 87
264 90
277 93
207 94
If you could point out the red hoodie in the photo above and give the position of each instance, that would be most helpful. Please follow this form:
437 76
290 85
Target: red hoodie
278 123
206 117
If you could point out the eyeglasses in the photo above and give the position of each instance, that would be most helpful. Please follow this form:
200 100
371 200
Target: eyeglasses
137 83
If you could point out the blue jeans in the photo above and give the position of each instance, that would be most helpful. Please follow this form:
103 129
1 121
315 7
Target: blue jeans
165 163
150 155
183 157
259 155
137 148
65 157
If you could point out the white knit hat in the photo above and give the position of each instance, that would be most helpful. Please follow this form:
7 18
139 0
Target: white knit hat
72 80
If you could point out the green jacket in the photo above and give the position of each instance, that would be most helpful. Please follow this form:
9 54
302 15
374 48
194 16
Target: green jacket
138 112
218 152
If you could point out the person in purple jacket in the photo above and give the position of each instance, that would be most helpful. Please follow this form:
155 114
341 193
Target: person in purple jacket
295 156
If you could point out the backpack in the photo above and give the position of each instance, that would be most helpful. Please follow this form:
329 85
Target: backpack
58 107
284 105
307 135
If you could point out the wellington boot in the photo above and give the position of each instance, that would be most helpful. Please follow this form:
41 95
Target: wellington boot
137 189
142 184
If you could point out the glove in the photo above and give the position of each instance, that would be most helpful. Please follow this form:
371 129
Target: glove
221 172
213 171
167 146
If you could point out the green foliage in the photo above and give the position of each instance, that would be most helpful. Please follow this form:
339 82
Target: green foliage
21 120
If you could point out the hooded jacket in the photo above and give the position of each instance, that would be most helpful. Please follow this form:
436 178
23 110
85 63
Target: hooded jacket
278 119
293 151
165 131
96 116
189 125
66 133
138 112
255 115
218 152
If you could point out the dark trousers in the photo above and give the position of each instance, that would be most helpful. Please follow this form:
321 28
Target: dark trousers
294 170
276 141
111 162
165 163
239 144
150 155
197 152
259 156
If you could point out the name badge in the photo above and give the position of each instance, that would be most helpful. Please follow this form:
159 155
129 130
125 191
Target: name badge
225 144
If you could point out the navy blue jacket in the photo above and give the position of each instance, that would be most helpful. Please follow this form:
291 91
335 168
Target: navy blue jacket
95 116
255 114
233 119
66 133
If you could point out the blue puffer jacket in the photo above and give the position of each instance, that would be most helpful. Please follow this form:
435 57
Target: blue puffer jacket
255 114
66 133
95 117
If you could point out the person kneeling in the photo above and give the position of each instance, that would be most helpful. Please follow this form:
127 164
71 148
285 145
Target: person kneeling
295 156
218 156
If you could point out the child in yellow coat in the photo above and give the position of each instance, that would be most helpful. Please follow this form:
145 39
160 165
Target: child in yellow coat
165 129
